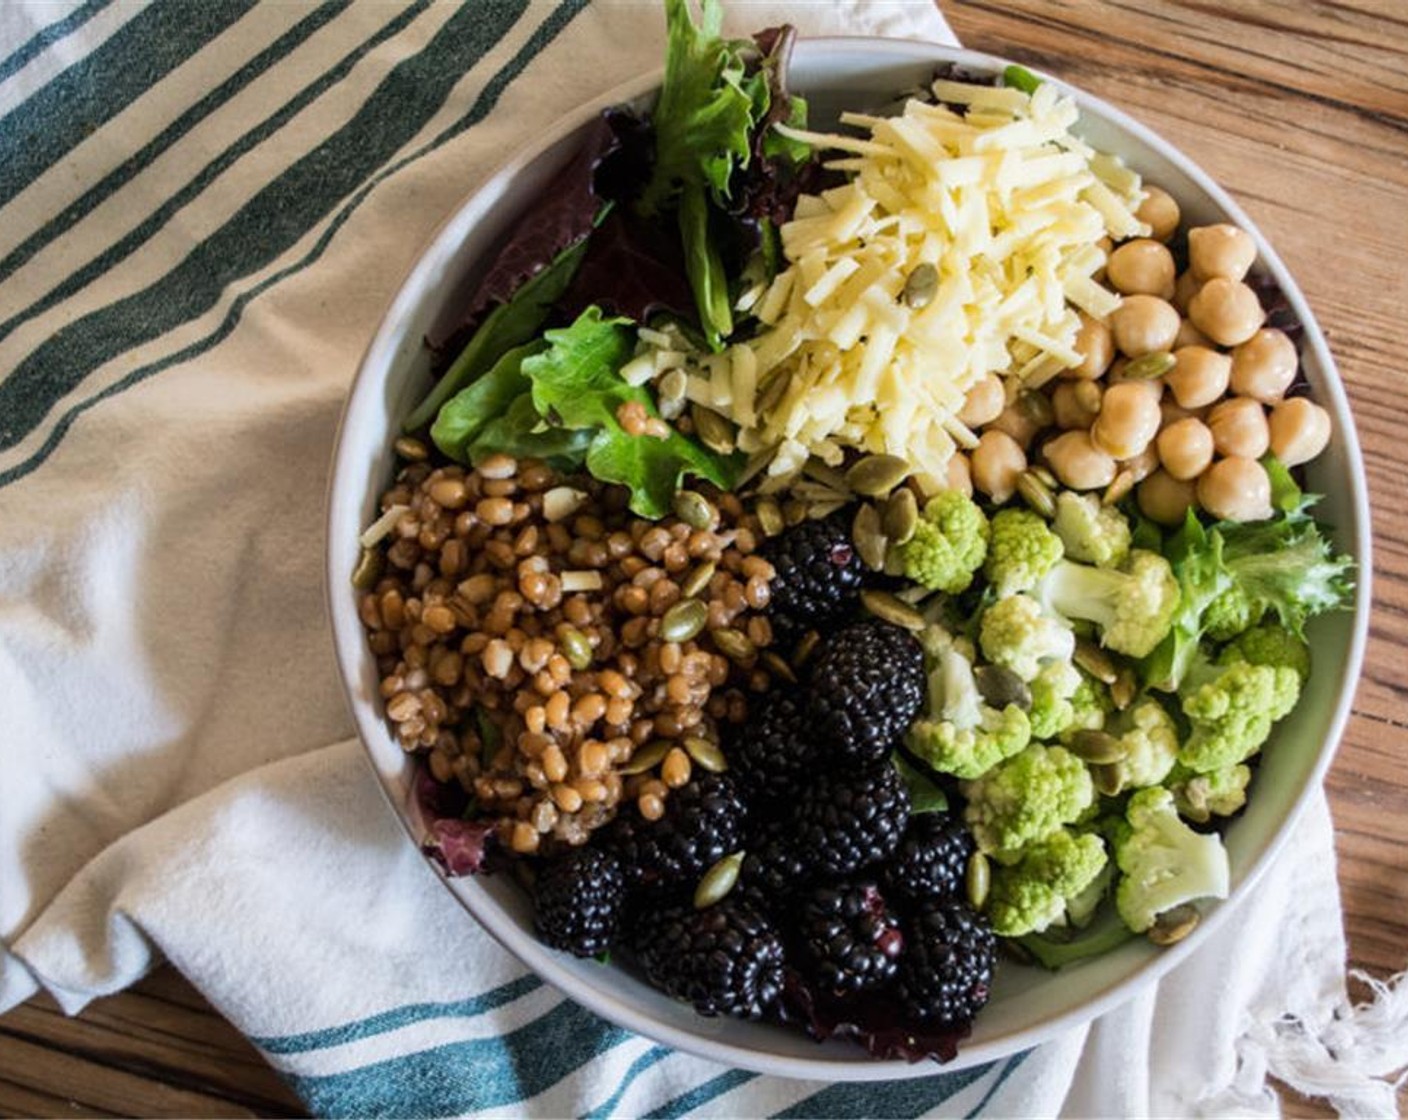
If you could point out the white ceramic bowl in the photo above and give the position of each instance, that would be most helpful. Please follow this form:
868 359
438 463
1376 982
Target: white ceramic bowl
1028 1005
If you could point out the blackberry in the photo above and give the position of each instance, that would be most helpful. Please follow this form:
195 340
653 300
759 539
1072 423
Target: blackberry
866 688
773 871
846 821
773 753
852 942
703 822
932 858
818 576
945 973
725 959
577 901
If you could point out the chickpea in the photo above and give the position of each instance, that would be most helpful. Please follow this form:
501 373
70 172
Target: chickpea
1300 430
1239 427
1159 212
959 475
1220 250
1076 404
1185 448
1264 366
1189 335
1172 412
1227 311
1165 499
1078 463
1141 466
1141 266
984 402
995 465
1236 489
1142 324
1184 289
1129 419
1018 423
1095 345
1199 376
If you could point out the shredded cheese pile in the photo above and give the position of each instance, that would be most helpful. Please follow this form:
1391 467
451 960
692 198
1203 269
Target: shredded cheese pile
1002 201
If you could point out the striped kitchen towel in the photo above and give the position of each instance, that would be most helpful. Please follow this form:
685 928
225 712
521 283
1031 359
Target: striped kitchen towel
204 207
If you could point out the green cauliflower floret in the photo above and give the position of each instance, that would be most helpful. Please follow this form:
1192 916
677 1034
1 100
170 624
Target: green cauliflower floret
1090 706
1218 793
959 733
1091 531
1230 612
1021 550
1230 710
1133 605
1033 893
949 544
1026 798
1163 862
1053 690
1148 738
1272 645
1017 634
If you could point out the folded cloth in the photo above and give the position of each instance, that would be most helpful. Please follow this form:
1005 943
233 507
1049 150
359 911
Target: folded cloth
205 209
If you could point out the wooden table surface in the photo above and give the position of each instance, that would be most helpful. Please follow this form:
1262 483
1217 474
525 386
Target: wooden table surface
1301 110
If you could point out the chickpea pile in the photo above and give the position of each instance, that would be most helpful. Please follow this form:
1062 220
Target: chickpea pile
1179 393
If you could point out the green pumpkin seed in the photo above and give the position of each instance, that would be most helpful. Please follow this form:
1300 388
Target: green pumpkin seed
794 512
806 646
920 286
886 607
718 881
1172 926
698 579
977 878
368 569
1148 366
1000 686
1096 747
1095 661
1036 494
735 645
411 449
877 474
1036 407
707 753
695 510
770 517
868 538
778 667
576 648
901 516
684 620
1108 778
647 757
1123 688
713 430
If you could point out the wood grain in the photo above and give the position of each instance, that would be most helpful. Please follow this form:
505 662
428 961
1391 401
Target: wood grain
1301 110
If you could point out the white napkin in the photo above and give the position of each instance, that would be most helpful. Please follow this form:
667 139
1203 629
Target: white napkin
205 209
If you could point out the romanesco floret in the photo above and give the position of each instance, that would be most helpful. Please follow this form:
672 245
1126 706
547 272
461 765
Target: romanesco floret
1229 612
1026 798
1091 531
1218 793
1021 550
1031 894
1016 633
1090 707
1052 691
1149 739
1269 644
1230 709
1133 605
949 544
1163 862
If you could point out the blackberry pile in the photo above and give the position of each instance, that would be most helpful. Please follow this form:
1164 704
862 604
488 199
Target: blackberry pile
841 893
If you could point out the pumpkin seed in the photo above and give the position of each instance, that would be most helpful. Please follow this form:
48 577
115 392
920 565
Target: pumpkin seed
1088 397
772 392
794 512
885 606
1036 407
647 757
695 510
877 474
901 516
1096 747
819 511
1000 686
368 569
684 620
977 878
1172 926
735 645
769 517
1123 688
1036 494
713 430
866 535
1148 366
920 286
411 449
778 667
576 648
706 752
806 646
718 881
1095 661
1108 778
698 579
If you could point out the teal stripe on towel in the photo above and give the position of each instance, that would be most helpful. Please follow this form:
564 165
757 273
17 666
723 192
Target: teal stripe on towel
700 1094
886 1099
46 37
649 1059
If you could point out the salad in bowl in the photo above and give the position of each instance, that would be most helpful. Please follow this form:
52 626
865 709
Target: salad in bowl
844 561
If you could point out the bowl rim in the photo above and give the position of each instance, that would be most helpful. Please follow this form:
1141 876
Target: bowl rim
436 255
